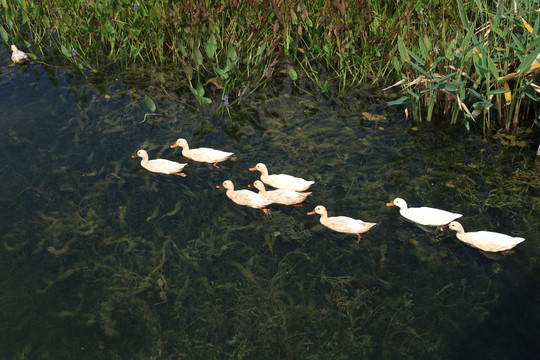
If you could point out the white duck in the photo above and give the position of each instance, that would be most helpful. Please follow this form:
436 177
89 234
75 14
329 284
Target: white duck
280 196
160 165
202 154
485 240
18 56
424 215
342 224
246 197
282 181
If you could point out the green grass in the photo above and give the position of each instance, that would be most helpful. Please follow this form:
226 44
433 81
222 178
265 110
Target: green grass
234 47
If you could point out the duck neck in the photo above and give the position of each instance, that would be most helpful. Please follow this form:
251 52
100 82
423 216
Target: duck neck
144 160
264 172
185 150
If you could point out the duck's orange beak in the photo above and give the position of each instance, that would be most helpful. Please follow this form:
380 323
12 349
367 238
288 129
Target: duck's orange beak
252 168
311 212
134 156
250 185
390 204
174 145
219 186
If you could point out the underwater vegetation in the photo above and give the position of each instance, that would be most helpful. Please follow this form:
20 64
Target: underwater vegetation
103 258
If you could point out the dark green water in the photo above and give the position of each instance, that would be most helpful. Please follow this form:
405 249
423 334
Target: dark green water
101 259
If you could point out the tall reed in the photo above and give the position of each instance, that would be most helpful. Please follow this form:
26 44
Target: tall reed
487 69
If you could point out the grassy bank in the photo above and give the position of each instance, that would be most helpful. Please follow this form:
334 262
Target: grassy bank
233 47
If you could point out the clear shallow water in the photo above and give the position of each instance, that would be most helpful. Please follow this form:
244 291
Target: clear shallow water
101 259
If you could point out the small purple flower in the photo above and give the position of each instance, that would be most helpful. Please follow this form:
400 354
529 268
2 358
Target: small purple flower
345 17
226 101
73 52
135 6
288 67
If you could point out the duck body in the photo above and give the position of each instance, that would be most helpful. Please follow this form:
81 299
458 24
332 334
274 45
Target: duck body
485 240
342 224
282 181
246 197
163 166
18 56
281 196
424 215
207 155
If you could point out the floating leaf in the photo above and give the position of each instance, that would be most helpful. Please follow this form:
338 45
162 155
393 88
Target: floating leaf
292 73
150 103
325 86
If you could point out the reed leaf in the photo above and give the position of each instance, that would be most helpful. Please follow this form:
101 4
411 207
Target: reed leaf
4 35
462 14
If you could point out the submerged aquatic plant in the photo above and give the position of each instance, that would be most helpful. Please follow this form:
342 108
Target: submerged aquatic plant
129 254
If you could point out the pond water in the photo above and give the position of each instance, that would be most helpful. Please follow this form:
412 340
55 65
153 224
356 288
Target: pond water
102 259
